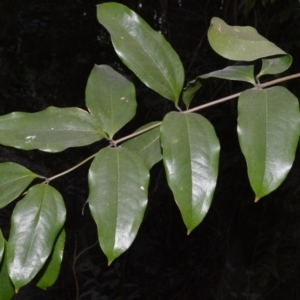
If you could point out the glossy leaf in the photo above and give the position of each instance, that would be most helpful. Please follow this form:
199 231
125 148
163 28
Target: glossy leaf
242 43
14 178
275 65
6 287
110 97
268 130
191 156
36 222
143 50
235 72
52 130
51 269
118 184
147 145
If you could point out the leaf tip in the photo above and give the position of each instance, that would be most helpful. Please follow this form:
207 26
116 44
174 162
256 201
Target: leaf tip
256 199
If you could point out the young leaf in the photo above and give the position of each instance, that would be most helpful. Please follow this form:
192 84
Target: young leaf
235 72
14 178
118 184
36 222
52 130
191 155
143 50
268 130
51 269
6 287
147 145
2 241
240 42
110 97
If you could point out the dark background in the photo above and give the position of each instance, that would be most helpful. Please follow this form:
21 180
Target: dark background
241 250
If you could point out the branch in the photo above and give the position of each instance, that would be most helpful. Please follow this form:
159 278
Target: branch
197 108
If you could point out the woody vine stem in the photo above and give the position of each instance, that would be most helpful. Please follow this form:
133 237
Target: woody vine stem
197 108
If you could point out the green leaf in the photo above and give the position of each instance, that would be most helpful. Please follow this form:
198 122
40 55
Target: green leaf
110 97
6 287
2 241
275 65
235 72
147 145
190 90
51 269
36 222
268 130
118 184
191 155
51 130
143 50
239 42
14 178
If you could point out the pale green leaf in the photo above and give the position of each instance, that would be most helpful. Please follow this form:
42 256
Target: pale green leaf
110 97
191 156
36 222
6 287
118 188
268 130
235 72
52 130
275 65
147 145
143 50
14 178
51 269
242 43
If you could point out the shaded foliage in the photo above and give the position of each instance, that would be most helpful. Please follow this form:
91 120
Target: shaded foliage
249 250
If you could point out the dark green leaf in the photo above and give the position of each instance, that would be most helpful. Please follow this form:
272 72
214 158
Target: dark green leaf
51 269
6 287
118 183
51 130
239 43
268 129
36 222
143 50
190 90
14 178
191 155
147 145
110 97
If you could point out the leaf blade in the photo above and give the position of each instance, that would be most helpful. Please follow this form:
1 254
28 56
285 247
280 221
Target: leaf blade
118 184
110 97
36 221
14 178
268 131
52 266
190 155
147 145
242 43
143 50
51 130
6 286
